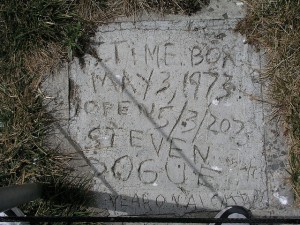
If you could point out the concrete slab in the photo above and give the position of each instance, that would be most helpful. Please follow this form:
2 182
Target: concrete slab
166 111
170 118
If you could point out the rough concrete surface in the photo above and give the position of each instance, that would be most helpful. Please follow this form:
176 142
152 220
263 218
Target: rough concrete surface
170 117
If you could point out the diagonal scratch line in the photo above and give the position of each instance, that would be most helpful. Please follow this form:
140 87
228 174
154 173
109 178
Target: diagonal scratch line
80 152
183 156
200 125
178 119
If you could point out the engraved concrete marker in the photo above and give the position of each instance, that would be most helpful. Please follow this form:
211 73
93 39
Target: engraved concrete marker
166 113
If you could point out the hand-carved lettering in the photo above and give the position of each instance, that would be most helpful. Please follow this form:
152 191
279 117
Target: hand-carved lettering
247 202
230 200
191 119
185 80
135 140
251 171
160 201
204 157
242 125
204 180
176 200
106 107
157 149
147 82
113 199
200 125
174 149
173 97
228 86
108 76
103 137
233 161
178 119
146 201
162 110
145 111
145 175
201 200
133 55
116 45
195 80
152 54
207 176
165 83
191 203
215 76
216 201
157 93
196 56
226 50
123 107
123 201
126 81
212 123
167 54
213 55
136 200
175 170
90 107
225 125
94 82
122 168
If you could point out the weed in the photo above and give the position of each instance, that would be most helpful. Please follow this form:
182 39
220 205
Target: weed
132 7
275 26
36 36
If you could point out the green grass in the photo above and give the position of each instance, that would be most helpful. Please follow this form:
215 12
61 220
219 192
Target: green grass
36 35
132 7
275 27
43 26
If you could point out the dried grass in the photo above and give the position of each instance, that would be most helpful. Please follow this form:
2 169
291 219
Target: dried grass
91 9
94 11
35 36
44 60
275 27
